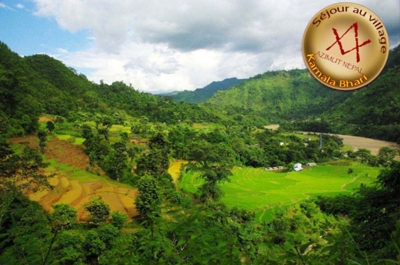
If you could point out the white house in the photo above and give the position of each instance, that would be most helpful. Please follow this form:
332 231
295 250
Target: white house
297 167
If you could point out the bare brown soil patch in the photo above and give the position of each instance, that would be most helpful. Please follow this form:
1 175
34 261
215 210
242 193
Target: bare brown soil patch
45 119
63 152
30 140
272 126
66 153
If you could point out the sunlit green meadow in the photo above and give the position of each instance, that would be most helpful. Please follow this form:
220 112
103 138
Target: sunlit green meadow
266 191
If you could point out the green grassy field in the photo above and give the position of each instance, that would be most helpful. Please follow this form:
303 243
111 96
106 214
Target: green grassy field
302 135
66 137
207 126
265 192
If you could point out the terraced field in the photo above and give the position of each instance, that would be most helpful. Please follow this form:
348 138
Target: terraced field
77 193
265 192
74 185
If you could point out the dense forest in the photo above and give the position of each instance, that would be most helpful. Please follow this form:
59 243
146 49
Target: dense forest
373 111
276 96
131 138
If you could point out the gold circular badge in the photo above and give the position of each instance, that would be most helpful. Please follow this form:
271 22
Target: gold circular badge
345 46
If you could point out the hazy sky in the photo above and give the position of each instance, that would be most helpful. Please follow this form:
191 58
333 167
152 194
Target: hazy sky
167 45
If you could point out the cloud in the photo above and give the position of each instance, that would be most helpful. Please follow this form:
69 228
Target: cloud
186 44
2 5
154 65
61 50
148 67
19 6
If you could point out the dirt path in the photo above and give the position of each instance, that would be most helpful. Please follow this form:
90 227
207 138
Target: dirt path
356 142
347 183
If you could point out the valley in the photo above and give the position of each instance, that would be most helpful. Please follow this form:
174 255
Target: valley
144 179
251 189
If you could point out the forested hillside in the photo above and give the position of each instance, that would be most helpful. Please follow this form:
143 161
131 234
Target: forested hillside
373 111
202 94
297 101
24 95
276 96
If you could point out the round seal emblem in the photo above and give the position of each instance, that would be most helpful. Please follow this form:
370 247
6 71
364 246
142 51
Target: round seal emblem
345 46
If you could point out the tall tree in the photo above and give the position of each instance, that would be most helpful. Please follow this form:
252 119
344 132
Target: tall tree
158 142
25 231
154 163
148 201
64 215
50 126
214 163
99 212
386 155
24 171
116 162
42 139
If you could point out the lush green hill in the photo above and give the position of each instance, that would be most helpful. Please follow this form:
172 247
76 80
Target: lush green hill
373 111
202 94
277 95
25 94
61 76
38 84
287 96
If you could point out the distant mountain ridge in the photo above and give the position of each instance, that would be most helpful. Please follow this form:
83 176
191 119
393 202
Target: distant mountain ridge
202 94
